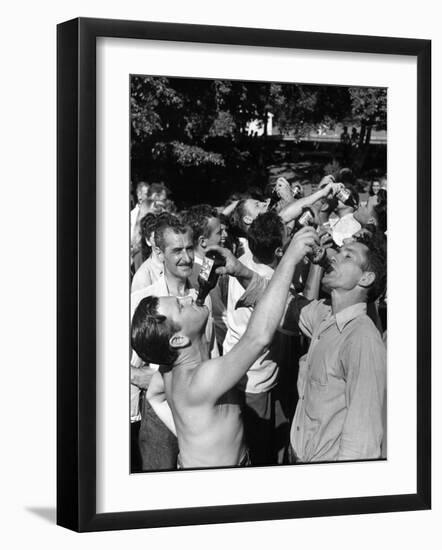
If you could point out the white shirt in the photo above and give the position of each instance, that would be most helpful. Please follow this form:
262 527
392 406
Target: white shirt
147 274
344 228
133 219
263 374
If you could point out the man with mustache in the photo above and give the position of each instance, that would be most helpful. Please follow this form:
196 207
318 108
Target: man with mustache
174 247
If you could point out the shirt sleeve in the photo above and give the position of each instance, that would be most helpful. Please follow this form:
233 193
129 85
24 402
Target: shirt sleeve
309 314
364 365
253 292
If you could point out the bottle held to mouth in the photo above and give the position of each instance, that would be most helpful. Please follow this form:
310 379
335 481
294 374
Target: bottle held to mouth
208 277
274 199
307 218
345 196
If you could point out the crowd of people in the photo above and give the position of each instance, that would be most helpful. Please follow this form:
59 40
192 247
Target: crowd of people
284 360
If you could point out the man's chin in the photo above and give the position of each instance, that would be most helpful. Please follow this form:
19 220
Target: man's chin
327 282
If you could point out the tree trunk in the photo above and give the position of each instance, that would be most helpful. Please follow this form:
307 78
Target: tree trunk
266 116
362 152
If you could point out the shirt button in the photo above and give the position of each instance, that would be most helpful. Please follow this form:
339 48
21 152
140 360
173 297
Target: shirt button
297 428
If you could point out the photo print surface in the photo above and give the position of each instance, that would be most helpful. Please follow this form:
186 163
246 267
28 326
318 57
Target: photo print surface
258 222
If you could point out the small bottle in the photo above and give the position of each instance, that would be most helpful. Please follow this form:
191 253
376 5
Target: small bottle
274 199
307 218
208 277
345 196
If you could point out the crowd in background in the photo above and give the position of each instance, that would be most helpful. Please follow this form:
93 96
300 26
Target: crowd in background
285 362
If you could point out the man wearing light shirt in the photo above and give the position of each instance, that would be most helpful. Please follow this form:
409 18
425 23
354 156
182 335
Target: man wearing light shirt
341 412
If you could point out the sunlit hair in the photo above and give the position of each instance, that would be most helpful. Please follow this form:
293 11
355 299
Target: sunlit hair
197 217
265 236
167 221
151 332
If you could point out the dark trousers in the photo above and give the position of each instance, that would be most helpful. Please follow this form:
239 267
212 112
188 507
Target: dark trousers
158 445
266 427
258 427
135 457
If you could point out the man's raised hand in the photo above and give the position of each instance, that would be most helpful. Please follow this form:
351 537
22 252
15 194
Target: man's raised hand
233 266
302 243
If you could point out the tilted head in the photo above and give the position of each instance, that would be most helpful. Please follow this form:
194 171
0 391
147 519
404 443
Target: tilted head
266 238
359 268
245 212
163 326
206 226
374 212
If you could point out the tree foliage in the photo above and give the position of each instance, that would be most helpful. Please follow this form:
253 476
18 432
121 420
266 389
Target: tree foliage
179 124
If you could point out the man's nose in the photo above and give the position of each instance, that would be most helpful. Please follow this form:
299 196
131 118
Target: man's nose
332 253
185 256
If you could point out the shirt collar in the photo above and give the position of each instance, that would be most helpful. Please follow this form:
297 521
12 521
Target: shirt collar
349 313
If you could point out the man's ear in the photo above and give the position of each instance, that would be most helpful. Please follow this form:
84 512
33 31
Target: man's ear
202 242
178 341
367 279
159 253
279 253
247 220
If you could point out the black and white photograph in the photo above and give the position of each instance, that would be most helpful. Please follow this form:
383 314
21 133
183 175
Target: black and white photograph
258 273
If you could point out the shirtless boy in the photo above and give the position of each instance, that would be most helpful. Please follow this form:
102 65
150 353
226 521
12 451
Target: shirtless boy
199 390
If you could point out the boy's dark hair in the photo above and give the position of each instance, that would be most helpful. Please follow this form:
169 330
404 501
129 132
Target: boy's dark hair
265 236
376 261
164 222
151 332
197 217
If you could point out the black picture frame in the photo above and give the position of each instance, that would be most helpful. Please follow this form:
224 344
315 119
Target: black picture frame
76 274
